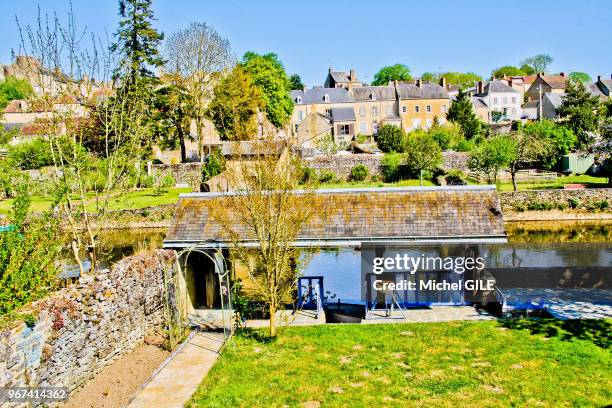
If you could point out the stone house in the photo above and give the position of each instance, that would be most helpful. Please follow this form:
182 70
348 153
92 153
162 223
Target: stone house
375 106
421 103
343 120
341 79
544 84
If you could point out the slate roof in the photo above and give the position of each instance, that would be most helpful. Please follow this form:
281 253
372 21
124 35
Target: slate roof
478 102
498 86
607 83
340 76
346 217
425 91
556 99
595 91
365 93
555 81
316 95
343 114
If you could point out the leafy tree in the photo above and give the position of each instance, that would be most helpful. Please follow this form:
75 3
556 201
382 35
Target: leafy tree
446 135
528 69
579 112
295 83
391 167
397 72
137 40
12 88
603 146
561 138
492 155
422 153
461 79
462 113
234 107
270 77
390 138
580 76
539 62
528 149
507 70
173 110
327 145
213 166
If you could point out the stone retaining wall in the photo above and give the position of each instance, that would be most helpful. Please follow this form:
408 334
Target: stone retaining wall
583 199
82 328
183 173
341 165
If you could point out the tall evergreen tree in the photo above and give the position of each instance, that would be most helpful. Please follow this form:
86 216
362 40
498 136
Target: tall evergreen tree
462 113
137 40
580 112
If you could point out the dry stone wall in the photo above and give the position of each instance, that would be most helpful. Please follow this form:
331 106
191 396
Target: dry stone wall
82 328
579 199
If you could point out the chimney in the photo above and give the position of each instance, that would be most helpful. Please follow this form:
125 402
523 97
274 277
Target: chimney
479 89
562 74
305 88
418 82
443 82
510 82
352 75
598 78
538 75
329 70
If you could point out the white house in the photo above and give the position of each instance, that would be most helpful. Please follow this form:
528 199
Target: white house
503 101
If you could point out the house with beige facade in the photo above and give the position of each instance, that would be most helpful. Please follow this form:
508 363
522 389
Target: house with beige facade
546 84
420 104
375 106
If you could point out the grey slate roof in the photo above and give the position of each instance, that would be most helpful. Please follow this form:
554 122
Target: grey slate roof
365 93
316 95
345 216
426 91
340 76
343 114
498 86
478 102
556 99
594 90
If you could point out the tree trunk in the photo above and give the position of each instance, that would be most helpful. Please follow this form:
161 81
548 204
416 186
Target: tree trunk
421 177
513 174
181 136
272 320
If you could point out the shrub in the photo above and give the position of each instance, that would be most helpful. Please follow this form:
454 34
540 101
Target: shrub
375 178
540 206
390 138
308 175
520 207
422 153
446 135
574 202
213 166
391 167
602 205
31 155
361 139
162 182
455 178
359 173
463 145
562 206
327 176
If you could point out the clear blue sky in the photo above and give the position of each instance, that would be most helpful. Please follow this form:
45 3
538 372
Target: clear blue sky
432 35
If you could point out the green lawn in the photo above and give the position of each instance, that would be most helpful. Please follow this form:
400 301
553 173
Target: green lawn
456 364
588 181
132 200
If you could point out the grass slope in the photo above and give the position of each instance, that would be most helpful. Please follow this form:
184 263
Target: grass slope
458 364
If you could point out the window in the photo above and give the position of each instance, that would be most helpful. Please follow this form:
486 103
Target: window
343 130
416 123
428 108
326 98
403 109
505 100
328 113
296 128
300 116
513 99
495 101
362 112
373 96
363 128
298 99
374 111
443 108
416 108
428 123
374 128
513 111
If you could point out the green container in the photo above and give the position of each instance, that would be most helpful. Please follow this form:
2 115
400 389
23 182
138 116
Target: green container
577 164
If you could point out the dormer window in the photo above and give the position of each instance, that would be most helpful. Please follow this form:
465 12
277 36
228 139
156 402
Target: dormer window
373 96
326 98
298 99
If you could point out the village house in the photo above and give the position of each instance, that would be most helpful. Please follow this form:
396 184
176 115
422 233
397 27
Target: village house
375 106
341 79
503 102
421 103
546 83
602 88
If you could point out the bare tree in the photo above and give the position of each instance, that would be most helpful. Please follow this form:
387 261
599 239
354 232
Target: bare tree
199 55
267 211
61 61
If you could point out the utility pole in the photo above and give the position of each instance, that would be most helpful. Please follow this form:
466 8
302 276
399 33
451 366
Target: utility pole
540 104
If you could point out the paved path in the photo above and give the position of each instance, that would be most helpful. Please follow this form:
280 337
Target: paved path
425 315
175 383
